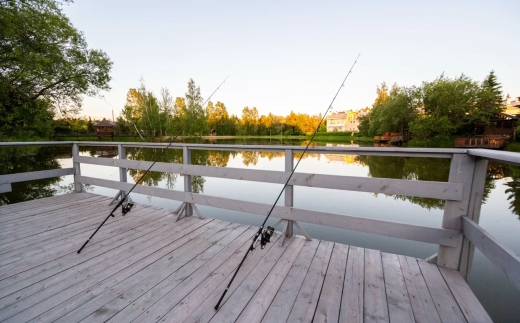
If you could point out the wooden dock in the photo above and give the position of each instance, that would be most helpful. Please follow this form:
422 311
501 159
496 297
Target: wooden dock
145 267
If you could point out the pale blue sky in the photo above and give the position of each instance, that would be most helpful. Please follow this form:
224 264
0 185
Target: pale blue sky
293 55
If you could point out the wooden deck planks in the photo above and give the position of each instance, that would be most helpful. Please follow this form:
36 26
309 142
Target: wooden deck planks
424 309
309 294
374 302
134 302
399 306
72 297
280 308
147 268
446 305
353 287
329 304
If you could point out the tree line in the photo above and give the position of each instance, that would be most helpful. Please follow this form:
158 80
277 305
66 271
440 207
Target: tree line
436 109
167 116
46 67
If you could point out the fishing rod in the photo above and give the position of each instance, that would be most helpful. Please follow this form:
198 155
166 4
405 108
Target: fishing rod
128 206
266 234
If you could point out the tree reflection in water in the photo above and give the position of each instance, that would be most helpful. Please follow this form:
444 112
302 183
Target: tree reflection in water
30 159
215 158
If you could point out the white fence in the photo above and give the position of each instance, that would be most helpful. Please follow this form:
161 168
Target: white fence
463 193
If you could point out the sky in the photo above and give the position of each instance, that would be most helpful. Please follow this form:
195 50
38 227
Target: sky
284 56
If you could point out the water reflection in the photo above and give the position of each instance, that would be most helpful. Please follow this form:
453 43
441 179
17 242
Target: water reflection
31 159
28 159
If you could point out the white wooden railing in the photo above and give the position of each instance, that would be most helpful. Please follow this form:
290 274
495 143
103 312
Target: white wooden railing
463 193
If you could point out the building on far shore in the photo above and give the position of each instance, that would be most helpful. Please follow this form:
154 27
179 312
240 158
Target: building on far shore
105 128
511 107
345 121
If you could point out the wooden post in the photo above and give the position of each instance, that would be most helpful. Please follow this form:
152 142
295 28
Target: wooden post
475 202
78 187
121 150
186 160
462 169
289 190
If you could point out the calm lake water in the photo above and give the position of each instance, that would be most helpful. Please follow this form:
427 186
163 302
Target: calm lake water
500 212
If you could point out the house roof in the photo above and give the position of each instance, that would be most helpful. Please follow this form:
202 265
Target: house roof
104 123
341 115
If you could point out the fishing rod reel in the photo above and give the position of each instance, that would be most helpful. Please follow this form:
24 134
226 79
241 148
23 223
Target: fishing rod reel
266 235
125 208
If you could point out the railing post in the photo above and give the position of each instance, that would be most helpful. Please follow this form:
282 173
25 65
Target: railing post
289 190
78 187
475 203
462 169
186 160
121 151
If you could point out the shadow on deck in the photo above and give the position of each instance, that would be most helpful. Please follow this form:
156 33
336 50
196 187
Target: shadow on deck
145 267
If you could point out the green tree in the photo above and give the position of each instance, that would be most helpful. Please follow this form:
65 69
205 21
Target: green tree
489 100
90 126
447 105
193 117
45 67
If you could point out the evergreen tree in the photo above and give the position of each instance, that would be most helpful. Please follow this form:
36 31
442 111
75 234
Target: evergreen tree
489 100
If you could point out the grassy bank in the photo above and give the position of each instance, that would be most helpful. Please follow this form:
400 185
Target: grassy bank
514 147
432 143
122 139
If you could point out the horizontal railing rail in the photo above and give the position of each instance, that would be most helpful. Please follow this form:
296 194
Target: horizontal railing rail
386 228
428 189
498 253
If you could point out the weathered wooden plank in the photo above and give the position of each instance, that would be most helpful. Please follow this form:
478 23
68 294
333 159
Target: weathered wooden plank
498 253
501 156
46 244
462 169
48 223
353 287
5 188
133 302
446 305
232 305
399 306
26 237
428 189
54 277
49 236
330 300
69 298
67 214
95 259
467 301
475 203
37 204
266 292
54 250
433 235
163 275
30 176
422 304
9 211
375 307
199 305
43 210
308 296
280 308
18 263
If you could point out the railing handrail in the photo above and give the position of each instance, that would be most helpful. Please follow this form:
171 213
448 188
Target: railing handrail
380 151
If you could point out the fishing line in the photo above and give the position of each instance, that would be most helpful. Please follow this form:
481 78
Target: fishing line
128 206
266 234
